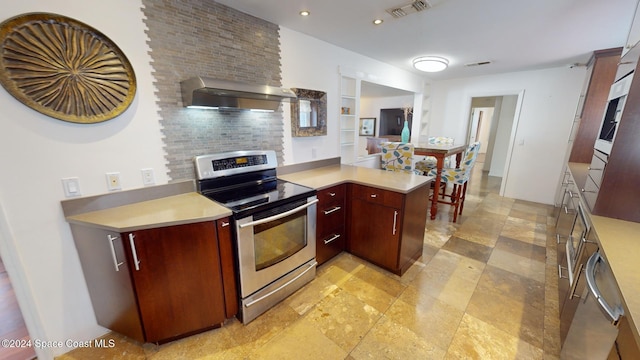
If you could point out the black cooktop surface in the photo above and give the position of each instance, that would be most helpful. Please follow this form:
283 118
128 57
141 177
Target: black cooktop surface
245 200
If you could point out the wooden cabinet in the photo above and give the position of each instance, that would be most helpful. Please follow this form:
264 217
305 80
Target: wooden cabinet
601 72
159 284
387 228
625 347
330 231
617 195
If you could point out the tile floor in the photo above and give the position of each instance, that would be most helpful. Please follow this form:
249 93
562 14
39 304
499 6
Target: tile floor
485 288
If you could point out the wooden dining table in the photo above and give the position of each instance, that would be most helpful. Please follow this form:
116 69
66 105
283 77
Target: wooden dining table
440 152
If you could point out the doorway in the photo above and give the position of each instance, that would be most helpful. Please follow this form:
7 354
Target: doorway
493 122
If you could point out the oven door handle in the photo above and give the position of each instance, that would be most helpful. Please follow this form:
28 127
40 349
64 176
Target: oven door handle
279 216
613 314
311 266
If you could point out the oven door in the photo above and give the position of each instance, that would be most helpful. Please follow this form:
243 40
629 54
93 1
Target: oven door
275 242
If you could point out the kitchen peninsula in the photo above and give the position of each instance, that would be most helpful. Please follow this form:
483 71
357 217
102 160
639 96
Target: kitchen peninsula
141 250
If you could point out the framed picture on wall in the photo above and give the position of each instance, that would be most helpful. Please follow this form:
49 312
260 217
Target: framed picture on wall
367 126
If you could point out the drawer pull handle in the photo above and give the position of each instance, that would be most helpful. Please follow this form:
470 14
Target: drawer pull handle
334 209
332 194
333 238
225 224
374 195
560 272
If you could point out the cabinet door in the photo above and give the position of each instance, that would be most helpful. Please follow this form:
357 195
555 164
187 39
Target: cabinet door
102 255
375 233
177 278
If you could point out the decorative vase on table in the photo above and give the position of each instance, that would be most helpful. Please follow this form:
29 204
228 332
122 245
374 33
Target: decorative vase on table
404 135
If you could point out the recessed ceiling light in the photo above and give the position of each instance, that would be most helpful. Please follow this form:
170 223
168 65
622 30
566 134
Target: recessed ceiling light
377 21
305 13
430 63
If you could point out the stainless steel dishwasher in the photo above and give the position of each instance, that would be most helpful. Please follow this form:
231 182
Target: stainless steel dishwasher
594 328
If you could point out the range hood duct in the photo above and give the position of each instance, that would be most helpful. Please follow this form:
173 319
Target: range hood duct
213 93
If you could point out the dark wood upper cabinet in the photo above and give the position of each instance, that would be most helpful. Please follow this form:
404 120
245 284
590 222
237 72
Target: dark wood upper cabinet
601 72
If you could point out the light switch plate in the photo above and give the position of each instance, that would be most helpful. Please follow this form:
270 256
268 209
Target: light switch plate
148 177
71 187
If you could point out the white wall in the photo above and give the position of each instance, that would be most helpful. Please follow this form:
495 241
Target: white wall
37 151
504 129
310 63
548 108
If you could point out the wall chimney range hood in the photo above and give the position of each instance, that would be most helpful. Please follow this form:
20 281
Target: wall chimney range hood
203 92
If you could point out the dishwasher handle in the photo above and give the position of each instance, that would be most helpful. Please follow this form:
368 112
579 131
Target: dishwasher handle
613 314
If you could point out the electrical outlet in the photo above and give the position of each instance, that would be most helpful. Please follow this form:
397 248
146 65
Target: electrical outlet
147 177
113 181
71 187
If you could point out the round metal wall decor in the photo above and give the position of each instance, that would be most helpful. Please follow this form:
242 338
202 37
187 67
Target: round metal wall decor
64 68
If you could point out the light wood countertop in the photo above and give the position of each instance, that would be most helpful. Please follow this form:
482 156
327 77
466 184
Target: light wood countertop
179 209
324 177
619 242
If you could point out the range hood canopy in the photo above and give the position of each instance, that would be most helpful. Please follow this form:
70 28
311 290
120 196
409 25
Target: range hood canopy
213 93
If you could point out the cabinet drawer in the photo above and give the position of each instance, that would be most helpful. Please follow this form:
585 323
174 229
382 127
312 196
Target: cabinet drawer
377 196
330 245
331 195
330 218
596 169
590 192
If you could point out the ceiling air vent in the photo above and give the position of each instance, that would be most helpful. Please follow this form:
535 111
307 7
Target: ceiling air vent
479 63
410 8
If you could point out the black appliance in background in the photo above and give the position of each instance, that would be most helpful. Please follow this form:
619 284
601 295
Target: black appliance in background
392 121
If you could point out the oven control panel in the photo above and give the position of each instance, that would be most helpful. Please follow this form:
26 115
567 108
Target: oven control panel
238 162
234 162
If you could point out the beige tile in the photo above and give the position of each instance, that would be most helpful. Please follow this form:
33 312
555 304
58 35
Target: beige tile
518 264
449 277
124 348
344 319
469 249
449 263
390 340
300 340
520 288
214 344
525 249
475 339
374 288
428 317
264 328
508 314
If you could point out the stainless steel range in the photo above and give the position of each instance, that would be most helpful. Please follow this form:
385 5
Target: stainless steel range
275 225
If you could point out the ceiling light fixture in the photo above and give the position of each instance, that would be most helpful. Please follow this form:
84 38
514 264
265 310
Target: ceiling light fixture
305 13
430 63
377 21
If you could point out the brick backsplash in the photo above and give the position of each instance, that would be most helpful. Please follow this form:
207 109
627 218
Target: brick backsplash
204 38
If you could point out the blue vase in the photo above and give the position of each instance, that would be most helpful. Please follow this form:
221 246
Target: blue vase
404 135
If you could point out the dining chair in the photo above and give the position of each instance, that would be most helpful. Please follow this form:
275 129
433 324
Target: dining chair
459 177
398 156
429 162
